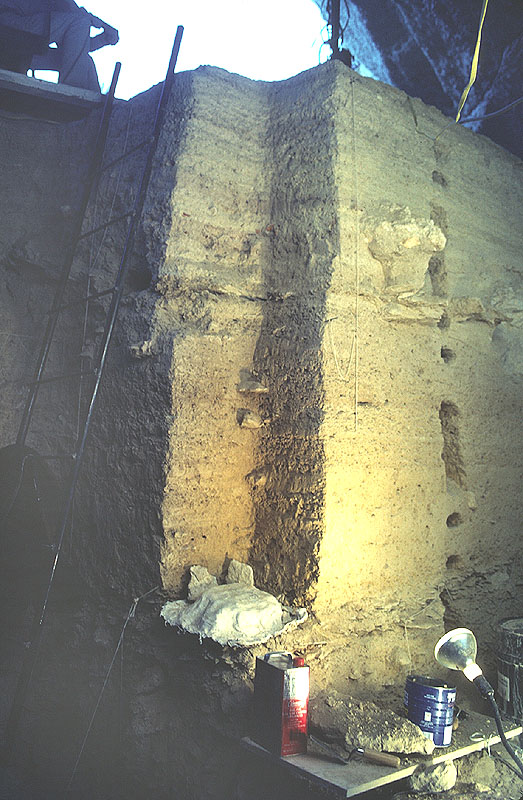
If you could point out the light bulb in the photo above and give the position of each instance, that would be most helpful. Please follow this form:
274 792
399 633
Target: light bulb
457 649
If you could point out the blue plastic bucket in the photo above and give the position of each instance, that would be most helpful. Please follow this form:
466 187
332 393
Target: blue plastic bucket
430 706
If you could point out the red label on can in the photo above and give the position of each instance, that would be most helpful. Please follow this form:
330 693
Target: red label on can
282 701
295 710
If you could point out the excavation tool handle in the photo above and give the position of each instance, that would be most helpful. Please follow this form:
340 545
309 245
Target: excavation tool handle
386 759
376 757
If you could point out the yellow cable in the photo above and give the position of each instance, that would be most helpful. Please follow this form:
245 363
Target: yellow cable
475 58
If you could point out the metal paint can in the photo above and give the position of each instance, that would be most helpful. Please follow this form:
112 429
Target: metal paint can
281 702
430 705
510 668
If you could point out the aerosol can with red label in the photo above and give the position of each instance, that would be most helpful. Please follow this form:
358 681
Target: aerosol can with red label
281 702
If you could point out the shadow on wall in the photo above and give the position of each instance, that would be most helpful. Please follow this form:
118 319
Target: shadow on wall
304 240
112 553
29 498
122 478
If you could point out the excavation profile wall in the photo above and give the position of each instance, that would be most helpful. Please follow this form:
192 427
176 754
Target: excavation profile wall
317 369
335 242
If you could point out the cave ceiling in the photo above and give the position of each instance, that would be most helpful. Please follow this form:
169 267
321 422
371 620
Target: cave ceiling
425 48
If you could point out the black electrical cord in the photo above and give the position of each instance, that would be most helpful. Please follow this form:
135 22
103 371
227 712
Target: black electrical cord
345 3
487 692
492 113
508 747
510 766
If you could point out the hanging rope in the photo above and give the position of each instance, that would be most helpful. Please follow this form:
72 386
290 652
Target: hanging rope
475 59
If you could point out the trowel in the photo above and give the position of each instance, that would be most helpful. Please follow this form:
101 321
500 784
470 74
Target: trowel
374 756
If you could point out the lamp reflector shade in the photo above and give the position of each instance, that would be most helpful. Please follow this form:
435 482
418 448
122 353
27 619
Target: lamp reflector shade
457 649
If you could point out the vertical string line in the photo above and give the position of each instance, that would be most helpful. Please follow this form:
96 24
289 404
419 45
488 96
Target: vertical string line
130 616
356 257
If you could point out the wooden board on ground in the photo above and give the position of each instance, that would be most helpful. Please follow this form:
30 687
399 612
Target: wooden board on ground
476 732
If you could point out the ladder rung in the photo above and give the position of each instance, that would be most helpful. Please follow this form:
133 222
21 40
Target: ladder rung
81 300
127 153
79 374
112 221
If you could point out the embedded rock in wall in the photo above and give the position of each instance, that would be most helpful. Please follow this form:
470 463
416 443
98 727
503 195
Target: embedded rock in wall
399 242
425 47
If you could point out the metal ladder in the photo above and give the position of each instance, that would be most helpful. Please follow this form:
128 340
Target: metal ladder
97 167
